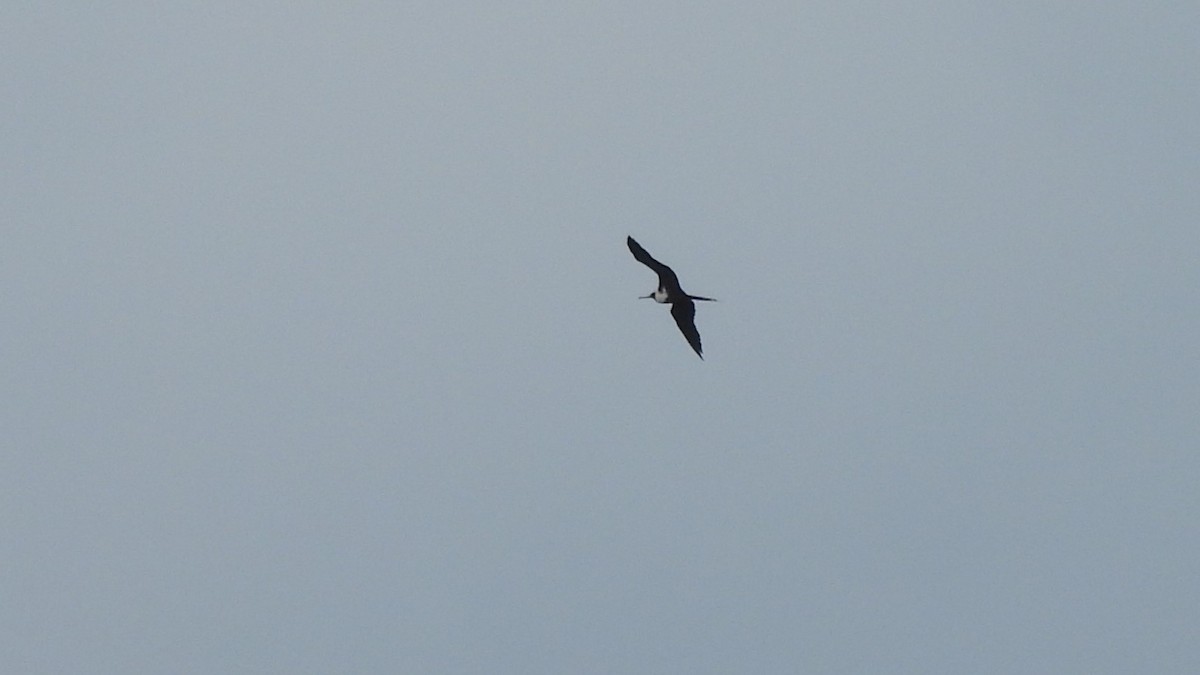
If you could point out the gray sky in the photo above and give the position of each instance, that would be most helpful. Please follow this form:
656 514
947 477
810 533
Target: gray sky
322 353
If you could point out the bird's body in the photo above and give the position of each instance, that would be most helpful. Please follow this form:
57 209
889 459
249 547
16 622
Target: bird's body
683 309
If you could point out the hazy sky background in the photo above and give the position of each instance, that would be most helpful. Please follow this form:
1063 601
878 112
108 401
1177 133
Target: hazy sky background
321 348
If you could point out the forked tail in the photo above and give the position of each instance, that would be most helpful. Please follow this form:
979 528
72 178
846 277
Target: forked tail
697 297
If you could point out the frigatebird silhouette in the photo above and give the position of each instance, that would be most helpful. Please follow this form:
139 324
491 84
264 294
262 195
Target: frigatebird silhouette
669 292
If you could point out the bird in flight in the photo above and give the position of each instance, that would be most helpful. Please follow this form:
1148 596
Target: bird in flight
669 291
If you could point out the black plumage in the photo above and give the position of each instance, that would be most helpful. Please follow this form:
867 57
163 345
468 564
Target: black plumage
683 309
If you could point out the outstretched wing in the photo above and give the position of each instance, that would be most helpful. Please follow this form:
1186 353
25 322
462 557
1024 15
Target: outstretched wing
685 317
666 276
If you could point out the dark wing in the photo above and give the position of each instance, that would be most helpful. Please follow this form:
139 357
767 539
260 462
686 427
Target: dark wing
665 275
685 317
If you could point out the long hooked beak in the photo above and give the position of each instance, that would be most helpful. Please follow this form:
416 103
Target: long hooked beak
643 297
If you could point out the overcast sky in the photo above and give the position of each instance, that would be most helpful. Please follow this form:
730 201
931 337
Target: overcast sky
321 349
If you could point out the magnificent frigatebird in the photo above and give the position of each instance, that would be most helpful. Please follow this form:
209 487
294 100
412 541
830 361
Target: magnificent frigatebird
682 307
